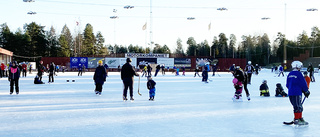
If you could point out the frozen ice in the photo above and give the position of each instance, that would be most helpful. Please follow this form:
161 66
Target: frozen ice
184 106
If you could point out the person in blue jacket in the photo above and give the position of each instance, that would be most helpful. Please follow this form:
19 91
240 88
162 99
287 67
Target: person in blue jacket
297 85
281 71
99 77
80 70
14 75
107 69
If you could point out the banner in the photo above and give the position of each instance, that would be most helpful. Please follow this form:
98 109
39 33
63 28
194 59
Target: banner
94 62
142 55
115 62
124 60
167 62
180 62
112 62
202 61
75 61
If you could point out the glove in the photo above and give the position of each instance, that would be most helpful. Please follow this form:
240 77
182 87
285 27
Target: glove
306 93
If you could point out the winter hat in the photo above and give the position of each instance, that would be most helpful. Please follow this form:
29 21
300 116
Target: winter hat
129 60
305 73
100 62
264 81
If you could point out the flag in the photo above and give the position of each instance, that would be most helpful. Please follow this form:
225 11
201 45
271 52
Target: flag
144 27
209 26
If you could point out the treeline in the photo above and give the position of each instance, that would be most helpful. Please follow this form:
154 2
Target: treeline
34 41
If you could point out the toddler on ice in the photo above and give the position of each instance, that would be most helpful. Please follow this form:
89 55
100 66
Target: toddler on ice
152 89
280 92
264 89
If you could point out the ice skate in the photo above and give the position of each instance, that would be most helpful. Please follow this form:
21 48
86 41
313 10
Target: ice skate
125 98
300 122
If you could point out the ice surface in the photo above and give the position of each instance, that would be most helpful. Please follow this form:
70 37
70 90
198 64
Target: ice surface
184 106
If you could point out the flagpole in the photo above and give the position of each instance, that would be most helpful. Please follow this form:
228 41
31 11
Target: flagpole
209 27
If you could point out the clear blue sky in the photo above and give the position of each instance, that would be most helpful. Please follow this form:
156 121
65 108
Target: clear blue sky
169 18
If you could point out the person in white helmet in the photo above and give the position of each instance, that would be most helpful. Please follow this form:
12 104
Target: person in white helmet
249 69
297 85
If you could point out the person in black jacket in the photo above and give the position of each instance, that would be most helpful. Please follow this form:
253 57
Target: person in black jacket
311 71
127 73
238 83
14 75
157 70
40 70
51 72
152 89
99 77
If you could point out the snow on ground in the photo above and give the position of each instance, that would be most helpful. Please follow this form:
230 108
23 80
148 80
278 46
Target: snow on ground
184 106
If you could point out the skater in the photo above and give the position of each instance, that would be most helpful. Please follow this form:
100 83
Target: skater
177 71
144 71
37 81
24 69
51 72
99 77
184 70
237 83
205 73
14 77
157 70
80 70
297 85
30 68
152 90
245 84
174 69
40 70
83 69
249 69
107 69
311 71
196 72
57 69
232 68
281 71
214 69
305 75
163 69
149 69
264 89
279 91
127 73
257 68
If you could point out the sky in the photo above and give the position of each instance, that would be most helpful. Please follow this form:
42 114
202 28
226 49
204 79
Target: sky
169 18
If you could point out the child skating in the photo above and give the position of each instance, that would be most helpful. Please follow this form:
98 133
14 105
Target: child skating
237 83
152 90
264 89
297 85
279 91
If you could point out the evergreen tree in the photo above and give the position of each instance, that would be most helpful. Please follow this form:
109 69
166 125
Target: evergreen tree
88 41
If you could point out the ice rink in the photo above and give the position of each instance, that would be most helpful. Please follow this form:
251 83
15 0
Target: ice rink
183 107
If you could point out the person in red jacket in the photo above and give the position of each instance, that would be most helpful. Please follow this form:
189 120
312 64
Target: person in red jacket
24 69
2 67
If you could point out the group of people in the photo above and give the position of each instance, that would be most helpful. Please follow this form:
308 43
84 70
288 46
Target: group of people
296 83
127 74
